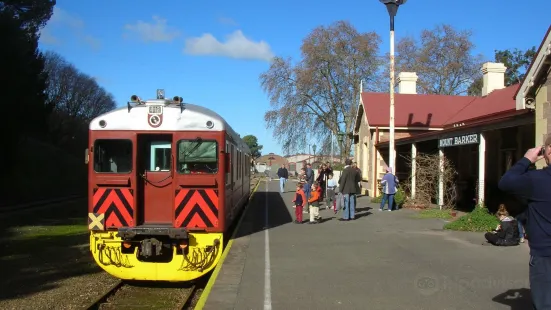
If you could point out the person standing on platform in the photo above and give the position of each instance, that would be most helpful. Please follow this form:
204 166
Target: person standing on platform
283 175
309 182
348 186
300 201
389 183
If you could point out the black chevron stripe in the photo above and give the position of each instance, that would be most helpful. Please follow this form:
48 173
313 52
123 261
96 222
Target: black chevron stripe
194 210
209 202
113 209
183 203
101 200
125 203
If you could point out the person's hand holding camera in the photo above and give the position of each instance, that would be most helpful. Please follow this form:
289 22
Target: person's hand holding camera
534 154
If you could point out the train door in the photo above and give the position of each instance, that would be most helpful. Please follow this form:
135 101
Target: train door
155 168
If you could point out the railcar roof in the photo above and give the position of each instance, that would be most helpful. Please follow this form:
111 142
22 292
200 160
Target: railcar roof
192 118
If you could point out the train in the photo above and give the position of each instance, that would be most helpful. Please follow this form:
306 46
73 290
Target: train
166 181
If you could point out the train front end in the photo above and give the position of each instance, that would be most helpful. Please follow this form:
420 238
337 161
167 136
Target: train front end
156 184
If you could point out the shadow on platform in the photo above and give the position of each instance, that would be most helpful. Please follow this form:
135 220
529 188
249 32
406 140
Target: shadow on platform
517 299
256 220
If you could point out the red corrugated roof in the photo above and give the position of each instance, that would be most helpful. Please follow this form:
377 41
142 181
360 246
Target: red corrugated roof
496 102
412 110
435 111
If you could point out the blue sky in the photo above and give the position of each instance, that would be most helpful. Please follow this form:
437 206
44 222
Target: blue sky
211 53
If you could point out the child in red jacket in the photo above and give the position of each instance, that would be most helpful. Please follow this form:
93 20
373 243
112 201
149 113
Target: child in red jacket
300 200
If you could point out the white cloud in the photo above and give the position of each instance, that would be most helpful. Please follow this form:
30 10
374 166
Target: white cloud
236 46
158 31
63 19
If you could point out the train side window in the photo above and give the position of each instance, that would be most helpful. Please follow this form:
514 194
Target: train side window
197 156
227 172
112 156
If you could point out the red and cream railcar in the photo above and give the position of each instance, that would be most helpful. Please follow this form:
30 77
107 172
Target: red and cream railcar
166 180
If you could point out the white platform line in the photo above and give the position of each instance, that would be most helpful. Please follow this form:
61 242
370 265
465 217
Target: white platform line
267 267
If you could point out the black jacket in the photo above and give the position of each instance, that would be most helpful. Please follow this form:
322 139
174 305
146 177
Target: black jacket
283 173
508 234
348 182
532 187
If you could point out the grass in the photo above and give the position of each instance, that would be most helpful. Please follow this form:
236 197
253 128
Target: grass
29 232
40 247
434 214
479 220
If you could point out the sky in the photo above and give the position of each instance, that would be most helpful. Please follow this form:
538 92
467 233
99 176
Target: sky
211 53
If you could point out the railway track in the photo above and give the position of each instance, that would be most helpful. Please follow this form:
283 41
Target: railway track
138 295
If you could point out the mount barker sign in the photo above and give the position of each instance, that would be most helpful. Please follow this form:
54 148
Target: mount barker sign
459 140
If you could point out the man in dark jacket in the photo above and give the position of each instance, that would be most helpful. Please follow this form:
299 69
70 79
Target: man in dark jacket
532 186
283 175
348 186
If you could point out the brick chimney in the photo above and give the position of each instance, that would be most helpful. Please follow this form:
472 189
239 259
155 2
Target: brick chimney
407 83
493 77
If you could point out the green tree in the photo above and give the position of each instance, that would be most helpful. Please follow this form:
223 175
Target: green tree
32 15
252 143
24 82
442 58
319 94
517 63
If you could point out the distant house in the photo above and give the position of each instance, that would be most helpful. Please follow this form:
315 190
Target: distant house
266 162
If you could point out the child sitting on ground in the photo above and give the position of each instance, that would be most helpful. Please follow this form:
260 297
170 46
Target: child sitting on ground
506 233
300 200
314 204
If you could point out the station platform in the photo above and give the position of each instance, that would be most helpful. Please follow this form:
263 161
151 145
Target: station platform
381 260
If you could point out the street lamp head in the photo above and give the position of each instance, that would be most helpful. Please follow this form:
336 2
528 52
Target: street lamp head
392 8
396 2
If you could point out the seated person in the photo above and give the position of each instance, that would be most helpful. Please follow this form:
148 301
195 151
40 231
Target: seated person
506 233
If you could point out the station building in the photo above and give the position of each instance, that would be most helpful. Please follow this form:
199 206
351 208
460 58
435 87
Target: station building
481 135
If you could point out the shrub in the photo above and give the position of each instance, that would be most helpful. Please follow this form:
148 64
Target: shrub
479 220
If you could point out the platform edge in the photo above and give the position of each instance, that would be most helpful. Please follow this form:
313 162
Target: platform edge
206 292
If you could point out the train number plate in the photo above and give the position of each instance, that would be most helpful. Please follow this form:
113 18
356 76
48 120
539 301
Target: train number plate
155 109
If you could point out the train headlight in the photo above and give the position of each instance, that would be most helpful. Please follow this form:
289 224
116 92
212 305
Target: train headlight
102 123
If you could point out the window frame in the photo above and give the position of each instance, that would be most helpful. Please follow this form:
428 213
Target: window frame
95 149
191 140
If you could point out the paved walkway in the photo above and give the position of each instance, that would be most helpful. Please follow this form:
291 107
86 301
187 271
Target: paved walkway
382 260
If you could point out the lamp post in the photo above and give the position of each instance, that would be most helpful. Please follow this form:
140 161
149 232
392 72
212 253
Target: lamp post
340 138
314 149
392 7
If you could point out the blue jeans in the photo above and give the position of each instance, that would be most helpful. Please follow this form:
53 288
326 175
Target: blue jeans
307 190
520 229
390 199
540 281
349 206
282 182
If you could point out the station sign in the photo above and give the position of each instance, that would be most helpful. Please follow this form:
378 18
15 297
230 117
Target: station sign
459 140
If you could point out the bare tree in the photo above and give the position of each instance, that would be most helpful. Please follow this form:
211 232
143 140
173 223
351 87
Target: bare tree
75 99
442 58
319 95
